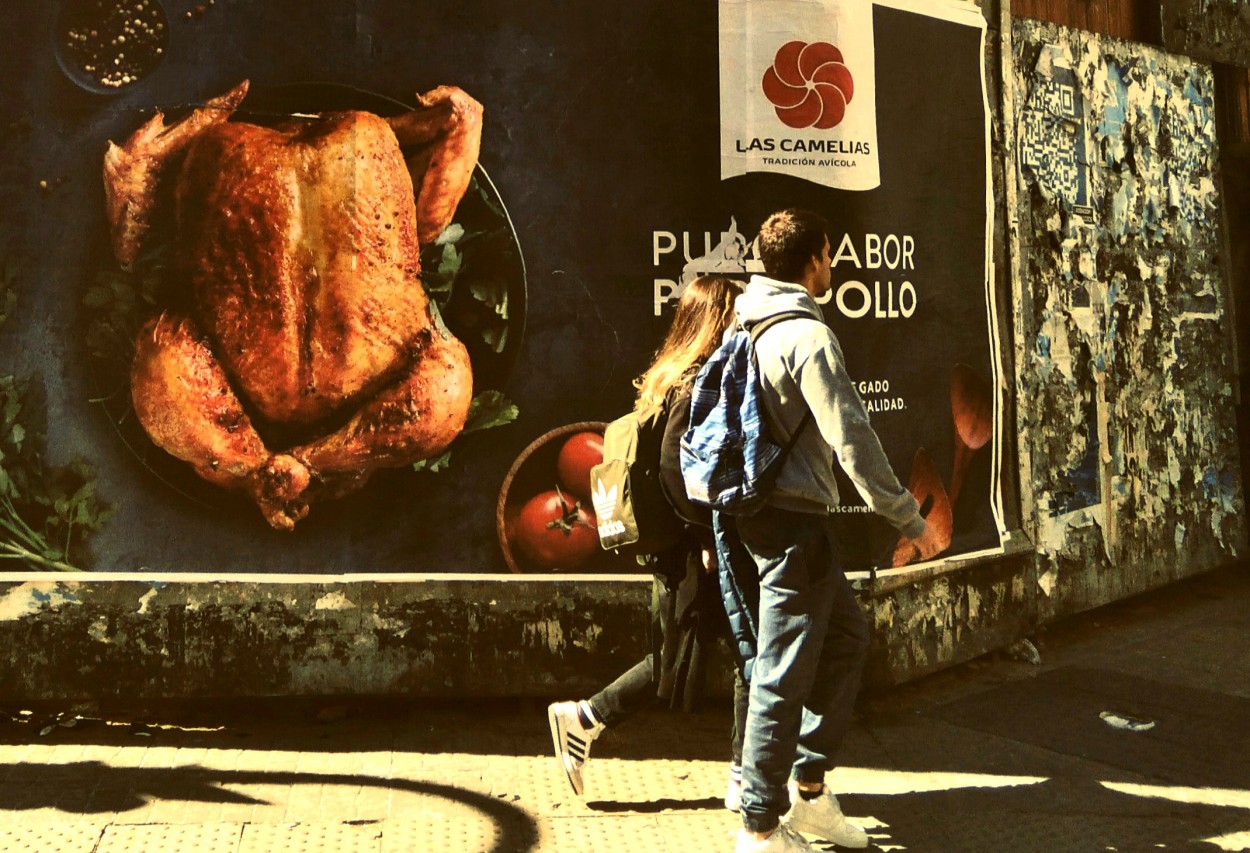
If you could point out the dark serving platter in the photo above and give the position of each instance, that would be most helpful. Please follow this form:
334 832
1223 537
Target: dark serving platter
478 287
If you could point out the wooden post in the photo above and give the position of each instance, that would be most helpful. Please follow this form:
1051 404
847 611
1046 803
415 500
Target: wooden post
1124 19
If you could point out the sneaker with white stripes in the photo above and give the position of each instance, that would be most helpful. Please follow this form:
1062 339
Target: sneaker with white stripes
571 740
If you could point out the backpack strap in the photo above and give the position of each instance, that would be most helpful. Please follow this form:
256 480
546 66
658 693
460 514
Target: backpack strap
756 330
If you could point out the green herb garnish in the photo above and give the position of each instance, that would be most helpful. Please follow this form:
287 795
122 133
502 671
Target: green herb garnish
120 302
435 465
447 265
490 409
46 512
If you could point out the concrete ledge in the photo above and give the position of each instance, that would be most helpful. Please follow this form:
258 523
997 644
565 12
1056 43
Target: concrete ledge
140 636
136 635
129 636
930 619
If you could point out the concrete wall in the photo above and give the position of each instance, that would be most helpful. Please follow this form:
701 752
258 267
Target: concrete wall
1125 364
490 635
1122 453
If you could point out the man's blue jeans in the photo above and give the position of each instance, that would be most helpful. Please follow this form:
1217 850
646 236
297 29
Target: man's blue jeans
812 640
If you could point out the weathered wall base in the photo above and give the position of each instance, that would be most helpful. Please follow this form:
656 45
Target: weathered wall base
423 636
926 622
136 637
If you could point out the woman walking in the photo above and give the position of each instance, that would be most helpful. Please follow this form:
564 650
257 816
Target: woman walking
686 602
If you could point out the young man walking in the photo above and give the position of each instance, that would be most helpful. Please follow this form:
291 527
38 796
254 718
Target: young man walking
811 636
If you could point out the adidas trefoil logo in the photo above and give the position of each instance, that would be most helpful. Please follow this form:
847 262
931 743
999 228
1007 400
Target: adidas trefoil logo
604 500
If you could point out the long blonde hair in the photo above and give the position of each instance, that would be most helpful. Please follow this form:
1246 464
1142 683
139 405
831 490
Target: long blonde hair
704 312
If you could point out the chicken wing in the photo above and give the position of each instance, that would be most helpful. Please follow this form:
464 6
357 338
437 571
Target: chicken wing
133 172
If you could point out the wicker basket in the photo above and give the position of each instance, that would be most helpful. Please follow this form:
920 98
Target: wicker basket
534 471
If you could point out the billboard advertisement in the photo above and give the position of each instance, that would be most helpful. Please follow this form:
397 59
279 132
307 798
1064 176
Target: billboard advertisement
347 286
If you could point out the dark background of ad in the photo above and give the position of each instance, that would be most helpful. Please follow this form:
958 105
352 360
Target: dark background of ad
931 122
601 127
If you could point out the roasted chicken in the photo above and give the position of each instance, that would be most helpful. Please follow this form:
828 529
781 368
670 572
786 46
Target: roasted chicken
300 246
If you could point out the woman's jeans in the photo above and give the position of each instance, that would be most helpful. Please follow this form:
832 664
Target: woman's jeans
812 641
631 692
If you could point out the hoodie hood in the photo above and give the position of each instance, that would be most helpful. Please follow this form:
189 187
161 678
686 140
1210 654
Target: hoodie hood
765 297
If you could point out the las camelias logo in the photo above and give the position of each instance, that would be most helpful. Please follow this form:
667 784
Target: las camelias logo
785 87
809 85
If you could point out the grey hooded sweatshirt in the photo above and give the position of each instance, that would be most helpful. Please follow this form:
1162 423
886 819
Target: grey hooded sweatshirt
801 365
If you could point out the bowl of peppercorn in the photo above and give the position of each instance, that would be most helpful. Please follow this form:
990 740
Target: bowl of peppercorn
107 45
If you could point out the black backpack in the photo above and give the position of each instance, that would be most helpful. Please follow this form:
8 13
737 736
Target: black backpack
634 515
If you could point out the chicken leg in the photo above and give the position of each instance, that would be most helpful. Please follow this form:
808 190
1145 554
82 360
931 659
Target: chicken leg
414 418
185 404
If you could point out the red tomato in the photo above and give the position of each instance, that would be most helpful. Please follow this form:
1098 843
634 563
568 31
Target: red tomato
581 452
555 532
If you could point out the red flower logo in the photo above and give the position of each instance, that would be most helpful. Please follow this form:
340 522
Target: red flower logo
809 85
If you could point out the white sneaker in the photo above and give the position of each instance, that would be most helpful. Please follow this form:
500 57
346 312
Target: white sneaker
571 740
823 816
783 840
733 791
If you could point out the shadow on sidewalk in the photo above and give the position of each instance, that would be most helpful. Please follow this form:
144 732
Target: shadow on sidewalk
654 806
487 727
1165 732
909 810
91 787
1055 815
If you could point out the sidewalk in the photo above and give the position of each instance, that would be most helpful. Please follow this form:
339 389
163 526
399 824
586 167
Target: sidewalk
998 755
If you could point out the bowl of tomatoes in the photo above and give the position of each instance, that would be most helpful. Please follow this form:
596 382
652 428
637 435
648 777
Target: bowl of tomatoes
545 519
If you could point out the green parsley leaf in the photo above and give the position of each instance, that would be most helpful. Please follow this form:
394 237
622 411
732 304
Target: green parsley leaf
490 409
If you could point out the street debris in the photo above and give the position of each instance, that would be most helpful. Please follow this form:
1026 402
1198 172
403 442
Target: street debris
1125 722
1024 650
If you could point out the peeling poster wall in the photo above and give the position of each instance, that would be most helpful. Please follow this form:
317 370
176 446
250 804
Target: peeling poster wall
1128 441
1218 30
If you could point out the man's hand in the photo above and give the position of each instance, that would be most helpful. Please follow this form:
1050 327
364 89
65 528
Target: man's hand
929 543
926 546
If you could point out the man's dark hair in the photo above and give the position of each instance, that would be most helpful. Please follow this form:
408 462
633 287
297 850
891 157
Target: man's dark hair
788 240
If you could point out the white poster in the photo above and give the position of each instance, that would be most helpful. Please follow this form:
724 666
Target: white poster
798 91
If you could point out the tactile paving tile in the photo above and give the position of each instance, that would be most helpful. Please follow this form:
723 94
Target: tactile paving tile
202 838
713 829
51 839
533 782
675 785
631 833
312 838
417 799
444 802
463 829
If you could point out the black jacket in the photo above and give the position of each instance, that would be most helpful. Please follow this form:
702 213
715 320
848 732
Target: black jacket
678 405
